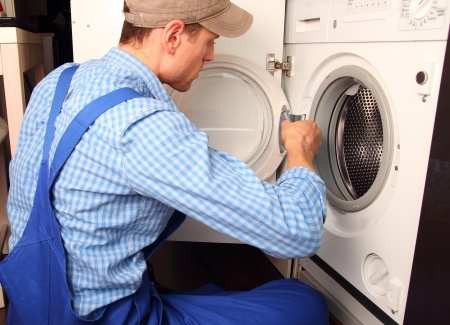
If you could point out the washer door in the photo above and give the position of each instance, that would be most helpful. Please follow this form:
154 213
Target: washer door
353 112
239 106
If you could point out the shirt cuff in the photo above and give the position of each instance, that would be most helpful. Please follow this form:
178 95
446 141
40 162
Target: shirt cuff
302 173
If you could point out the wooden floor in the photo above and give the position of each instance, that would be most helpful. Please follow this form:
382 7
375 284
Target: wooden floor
2 316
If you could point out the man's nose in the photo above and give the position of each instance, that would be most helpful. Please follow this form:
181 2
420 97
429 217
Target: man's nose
209 55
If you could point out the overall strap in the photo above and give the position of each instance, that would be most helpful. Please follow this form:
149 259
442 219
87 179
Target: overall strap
60 94
43 226
75 131
83 120
78 127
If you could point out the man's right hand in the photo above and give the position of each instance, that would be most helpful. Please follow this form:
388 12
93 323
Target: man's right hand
302 140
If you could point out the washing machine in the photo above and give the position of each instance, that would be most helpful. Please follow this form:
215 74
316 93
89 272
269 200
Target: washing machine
369 76
368 72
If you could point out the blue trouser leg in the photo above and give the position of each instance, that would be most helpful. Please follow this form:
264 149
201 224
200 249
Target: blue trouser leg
274 303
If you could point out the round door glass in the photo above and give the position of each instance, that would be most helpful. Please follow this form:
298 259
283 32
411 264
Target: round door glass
356 156
232 109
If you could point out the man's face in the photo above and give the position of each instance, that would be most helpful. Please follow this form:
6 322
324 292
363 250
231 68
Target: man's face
194 51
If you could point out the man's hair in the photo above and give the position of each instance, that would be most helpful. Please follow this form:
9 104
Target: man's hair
131 33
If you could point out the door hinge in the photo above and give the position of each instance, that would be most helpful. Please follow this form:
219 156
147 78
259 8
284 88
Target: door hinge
273 65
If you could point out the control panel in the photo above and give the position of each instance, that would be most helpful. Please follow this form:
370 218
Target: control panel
366 10
329 21
423 14
388 20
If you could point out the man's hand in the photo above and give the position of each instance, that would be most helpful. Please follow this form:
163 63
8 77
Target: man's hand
302 141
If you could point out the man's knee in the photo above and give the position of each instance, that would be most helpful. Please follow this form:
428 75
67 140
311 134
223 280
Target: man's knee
302 302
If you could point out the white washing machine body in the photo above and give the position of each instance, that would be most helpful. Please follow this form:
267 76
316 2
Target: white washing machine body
369 74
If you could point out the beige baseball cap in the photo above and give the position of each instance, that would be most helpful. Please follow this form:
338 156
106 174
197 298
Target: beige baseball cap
219 16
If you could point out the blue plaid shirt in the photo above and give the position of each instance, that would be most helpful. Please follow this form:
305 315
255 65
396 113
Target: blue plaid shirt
135 164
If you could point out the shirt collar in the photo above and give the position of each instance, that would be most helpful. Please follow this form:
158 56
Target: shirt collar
147 82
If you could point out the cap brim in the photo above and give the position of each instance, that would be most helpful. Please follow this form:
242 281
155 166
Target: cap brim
233 22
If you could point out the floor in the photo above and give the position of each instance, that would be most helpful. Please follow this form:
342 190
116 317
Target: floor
187 265
3 316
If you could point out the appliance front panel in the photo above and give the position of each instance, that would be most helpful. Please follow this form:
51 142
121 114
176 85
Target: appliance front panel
387 225
375 99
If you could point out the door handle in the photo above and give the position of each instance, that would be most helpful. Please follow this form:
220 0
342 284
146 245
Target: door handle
286 115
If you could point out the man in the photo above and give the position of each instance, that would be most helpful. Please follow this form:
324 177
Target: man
142 159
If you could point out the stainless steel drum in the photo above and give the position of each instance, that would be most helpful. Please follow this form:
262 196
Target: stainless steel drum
359 141
357 146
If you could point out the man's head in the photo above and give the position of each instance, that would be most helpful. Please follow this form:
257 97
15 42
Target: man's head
219 16
175 37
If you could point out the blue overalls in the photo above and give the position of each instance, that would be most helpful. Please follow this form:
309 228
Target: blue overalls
33 274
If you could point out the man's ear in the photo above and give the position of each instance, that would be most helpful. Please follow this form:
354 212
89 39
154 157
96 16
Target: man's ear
172 35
